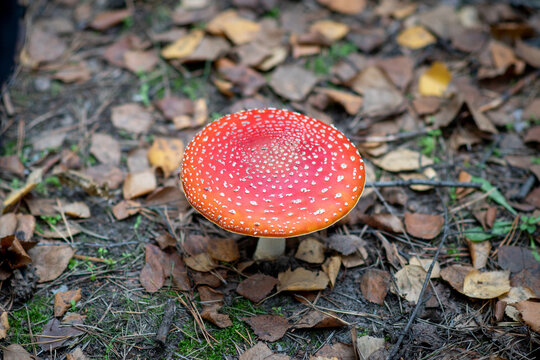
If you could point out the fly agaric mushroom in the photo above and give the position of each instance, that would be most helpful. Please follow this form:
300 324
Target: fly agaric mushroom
272 173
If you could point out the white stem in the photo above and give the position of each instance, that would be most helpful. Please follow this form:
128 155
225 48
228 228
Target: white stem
269 248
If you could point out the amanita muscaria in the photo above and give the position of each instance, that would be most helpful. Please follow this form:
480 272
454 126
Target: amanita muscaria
272 173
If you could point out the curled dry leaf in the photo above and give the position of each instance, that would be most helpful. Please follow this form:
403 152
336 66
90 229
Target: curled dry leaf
256 287
166 154
152 276
268 327
386 222
367 345
212 301
310 250
16 195
530 313
331 268
76 209
375 284
316 320
301 279
409 282
184 46
345 244
125 209
138 184
486 285
424 226
50 260
516 294
63 301
479 252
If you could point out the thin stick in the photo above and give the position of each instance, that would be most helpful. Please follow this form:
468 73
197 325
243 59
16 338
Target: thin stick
397 345
435 183
30 330
165 326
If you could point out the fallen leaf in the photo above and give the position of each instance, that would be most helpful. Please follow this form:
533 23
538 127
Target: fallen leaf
424 226
175 268
350 102
310 250
209 49
345 244
486 285
4 325
479 253
63 301
415 37
331 268
76 209
152 276
50 260
292 82
101 178
8 224
399 69
166 154
212 301
268 327
435 80
516 259
132 118
256 287
515 295
426 263
240 30
247 80
409 282
12 164
200 262
138 184
530 313
455 275
213 279
140 61
261 352
367 345
331 30
301 279
173 106
338 350
16 352
386 222
356 259
60 331
349 7
43 46
374 285
403 160
529 53
76 354
223 249
442 20
315 319
110 18
106 149
184 46
73 73
165 240
426 105
17 194
367 39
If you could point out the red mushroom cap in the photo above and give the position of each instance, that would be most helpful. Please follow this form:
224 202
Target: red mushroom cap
272 173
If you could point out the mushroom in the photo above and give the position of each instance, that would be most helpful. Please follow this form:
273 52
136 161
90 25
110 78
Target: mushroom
273 174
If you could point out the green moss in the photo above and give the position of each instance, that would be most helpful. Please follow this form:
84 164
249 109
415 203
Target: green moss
39 312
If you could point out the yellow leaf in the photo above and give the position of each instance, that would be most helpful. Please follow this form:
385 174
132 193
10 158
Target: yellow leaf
415 37
240 30
435 80
302 280
184 46
330 30
166 154
486 285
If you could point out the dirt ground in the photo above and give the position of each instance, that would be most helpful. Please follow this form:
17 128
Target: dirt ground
461 91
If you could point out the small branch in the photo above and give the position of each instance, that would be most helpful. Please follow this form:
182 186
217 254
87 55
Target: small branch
165 326
435 183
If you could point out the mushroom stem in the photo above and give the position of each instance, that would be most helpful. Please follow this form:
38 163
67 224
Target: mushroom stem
269 248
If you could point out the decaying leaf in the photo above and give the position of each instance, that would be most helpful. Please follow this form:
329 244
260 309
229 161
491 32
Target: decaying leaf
268 327
4 324
301 279
310 250
317 319
50 260
131 117
63 301
107 19
486 285
166 154
212 301
292 82
60 331
16 195
349 7
375 284
424 226
455 275
138 184
256 287
223 249
152 275
530 313
261 351
409 282
331 268
200 262
106 149
426 263
184 46
403 160
16 352
479 252
367 345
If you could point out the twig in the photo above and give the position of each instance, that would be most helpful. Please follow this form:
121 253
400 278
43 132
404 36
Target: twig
435 183
89 258
165 326
397 345
30 330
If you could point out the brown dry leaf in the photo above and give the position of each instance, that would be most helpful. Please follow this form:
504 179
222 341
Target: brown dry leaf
240 30
350 102
301 279
48 140
424 226
403 160
184 46
76 354
479 253
356 259
375 284
338 350
533 134
482 121
212 301
435 80
140 61
503 57
443 20
4 324
386 222
107 19
331 30
371 77
8 224
106 149
318 320
209 49
516 294
138 184
76 209
292 82
16 195
345 244
213 279
310 250
516 259
367 345
200 262
12 164
152 276
399 69
74 73
101 178
530 313
166 154
175 268
531 54
14 252
50 260
171 196
256 287
26 224
246 80
261 352
331 268
532 110
455 275
426 105
469 40
415 37
173 106
131 118
61 330
223 249
16 352
486 285
349 7
409 282
426 263
215 26
42 47
137 160
165 240
268 327
63 301
426 174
